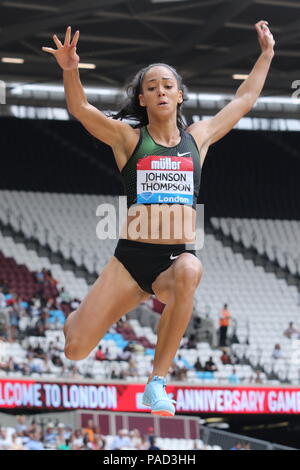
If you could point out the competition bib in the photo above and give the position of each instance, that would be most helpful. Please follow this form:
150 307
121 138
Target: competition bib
163 179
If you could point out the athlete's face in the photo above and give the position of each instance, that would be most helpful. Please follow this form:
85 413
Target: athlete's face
160 91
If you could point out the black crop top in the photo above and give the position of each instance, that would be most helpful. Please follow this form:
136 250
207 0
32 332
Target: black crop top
155 174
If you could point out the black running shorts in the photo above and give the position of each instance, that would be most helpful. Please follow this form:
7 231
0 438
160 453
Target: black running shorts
145 261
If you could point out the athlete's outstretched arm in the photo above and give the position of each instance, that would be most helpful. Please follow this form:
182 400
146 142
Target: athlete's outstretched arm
211 130
109 131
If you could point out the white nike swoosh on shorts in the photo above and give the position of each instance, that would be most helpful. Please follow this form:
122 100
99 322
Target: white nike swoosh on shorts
173 257
181 154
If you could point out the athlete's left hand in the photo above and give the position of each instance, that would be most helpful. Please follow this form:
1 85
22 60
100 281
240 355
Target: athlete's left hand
265 37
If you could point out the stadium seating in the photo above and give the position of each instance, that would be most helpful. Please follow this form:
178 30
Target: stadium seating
257 300
277 239
77 287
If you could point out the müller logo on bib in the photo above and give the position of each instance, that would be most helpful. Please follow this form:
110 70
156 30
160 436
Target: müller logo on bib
165 179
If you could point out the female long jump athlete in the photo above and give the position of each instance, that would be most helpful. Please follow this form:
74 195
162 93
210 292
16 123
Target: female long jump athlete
159 149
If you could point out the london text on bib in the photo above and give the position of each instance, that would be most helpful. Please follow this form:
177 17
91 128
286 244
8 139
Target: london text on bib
165 180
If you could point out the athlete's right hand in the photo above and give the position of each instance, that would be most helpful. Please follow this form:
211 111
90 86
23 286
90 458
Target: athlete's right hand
65 54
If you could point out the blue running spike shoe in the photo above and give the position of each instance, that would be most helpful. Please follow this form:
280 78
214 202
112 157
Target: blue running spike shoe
156 397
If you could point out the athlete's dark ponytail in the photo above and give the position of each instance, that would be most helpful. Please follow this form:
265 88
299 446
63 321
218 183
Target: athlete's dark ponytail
131 109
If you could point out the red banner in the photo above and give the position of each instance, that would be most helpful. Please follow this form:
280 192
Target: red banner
128 397
154 162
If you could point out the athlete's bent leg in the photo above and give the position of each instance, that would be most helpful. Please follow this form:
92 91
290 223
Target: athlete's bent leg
175 287
113 294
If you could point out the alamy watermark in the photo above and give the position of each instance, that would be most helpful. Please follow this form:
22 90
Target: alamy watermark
151 222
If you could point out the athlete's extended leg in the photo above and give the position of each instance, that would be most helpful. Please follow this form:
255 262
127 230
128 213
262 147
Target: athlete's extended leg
113 294
175 287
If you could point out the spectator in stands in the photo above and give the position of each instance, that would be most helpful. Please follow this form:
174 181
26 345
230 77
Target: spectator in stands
12 298
198 366
144 445
182 374
233 378
234 358
46 366
99 442
62 436
178 361
153 445
54 349
30 352
122 326
49 279
33 425
2 299
63 297
198 444
24 368
50 434
56 315
21 425
34 303
109 355
237 446
76 439
4 441
68 431
90 430
40 291
55 358
114 375
277 352
192 343
14 319
21 304
74 372
75 304
210 366
130 346
132 370
100 356
125 355
34 368
135 437
16 442
257 378
178 370
64 446
150 433
197 321
10 365
3 331
142 344
87 444
34 442
224 322
40 276
225 358
3 364
38 352
181 367
42 323
121 441
291 331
